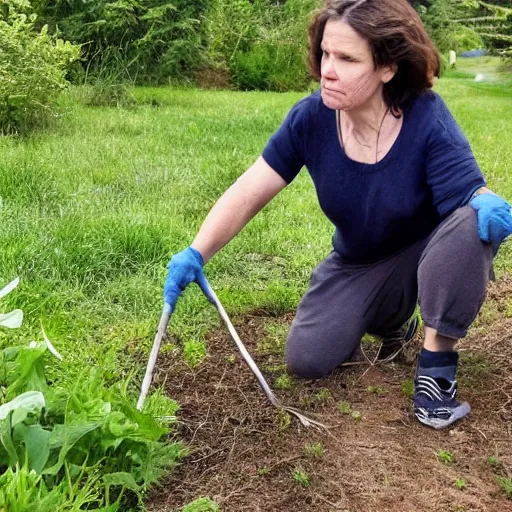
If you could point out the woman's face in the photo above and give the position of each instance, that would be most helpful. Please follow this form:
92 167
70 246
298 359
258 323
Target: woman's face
349 78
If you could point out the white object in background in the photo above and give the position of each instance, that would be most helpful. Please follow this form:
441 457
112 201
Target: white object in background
479 77
453 58
14 319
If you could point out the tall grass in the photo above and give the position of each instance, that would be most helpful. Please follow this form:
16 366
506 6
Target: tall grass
93 210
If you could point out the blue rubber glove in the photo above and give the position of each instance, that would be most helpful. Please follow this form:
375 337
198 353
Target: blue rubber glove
184 268
494 216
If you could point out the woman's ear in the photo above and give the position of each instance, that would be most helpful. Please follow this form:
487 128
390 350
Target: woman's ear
388 72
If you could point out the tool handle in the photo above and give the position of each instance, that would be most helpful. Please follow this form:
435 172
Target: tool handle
160 333
245 354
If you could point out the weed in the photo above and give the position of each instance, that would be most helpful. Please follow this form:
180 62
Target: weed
263 471
322 395
506 485
461 483
273 343
201 505
301 477
194 352
231 359
376 390
444 456
314 450
284 420
408 388
284 381
495 463
356 416
344 407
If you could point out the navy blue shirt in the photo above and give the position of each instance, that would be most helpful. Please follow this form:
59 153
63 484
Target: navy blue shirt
379 209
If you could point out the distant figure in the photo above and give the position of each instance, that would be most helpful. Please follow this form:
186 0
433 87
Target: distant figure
453 58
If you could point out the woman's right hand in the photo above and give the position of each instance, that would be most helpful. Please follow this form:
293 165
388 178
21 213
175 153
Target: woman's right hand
184 268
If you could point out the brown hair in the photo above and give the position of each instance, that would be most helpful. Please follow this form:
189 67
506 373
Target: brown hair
396 37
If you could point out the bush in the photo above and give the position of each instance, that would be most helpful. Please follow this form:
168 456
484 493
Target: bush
156 40
251 70
32 70
262 44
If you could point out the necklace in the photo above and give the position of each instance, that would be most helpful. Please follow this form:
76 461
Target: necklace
355 136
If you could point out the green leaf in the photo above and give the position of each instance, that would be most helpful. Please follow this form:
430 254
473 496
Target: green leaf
7 441
123 479
37 445
66 437
28 372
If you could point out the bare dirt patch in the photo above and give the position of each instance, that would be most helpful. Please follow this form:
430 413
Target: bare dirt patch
376 457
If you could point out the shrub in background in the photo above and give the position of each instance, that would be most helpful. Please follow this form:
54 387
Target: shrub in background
261 44
156 40
33 68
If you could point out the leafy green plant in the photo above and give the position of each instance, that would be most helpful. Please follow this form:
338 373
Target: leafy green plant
506 485
284 420
314 449
322 395
24 490
376 390
444 456
194 351
344 407
284 381
356 416
201 505
461 483
32 69
495 463
408 388
301 477
59 437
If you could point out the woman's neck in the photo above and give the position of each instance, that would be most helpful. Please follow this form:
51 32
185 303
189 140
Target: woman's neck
366 120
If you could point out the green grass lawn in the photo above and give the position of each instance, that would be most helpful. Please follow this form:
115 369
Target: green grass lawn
93 209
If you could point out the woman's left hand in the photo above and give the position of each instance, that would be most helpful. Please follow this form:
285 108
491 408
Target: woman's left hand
494 216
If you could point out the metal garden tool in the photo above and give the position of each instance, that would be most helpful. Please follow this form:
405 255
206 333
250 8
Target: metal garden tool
148 377
162 327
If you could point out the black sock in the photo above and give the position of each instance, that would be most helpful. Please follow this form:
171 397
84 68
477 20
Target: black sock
441 366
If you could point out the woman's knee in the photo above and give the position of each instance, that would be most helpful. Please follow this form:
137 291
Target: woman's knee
306 365
316 355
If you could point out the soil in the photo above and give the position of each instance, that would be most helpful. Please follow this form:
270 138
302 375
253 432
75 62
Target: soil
245 454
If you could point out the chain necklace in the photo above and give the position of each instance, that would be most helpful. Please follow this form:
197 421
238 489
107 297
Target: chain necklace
338 112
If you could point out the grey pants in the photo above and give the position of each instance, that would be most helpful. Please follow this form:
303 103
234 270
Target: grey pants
447 273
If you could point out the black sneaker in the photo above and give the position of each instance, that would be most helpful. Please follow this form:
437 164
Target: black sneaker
393 344
435 404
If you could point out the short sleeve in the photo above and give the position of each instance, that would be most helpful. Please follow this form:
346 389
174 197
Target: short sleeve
284 151
452 171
